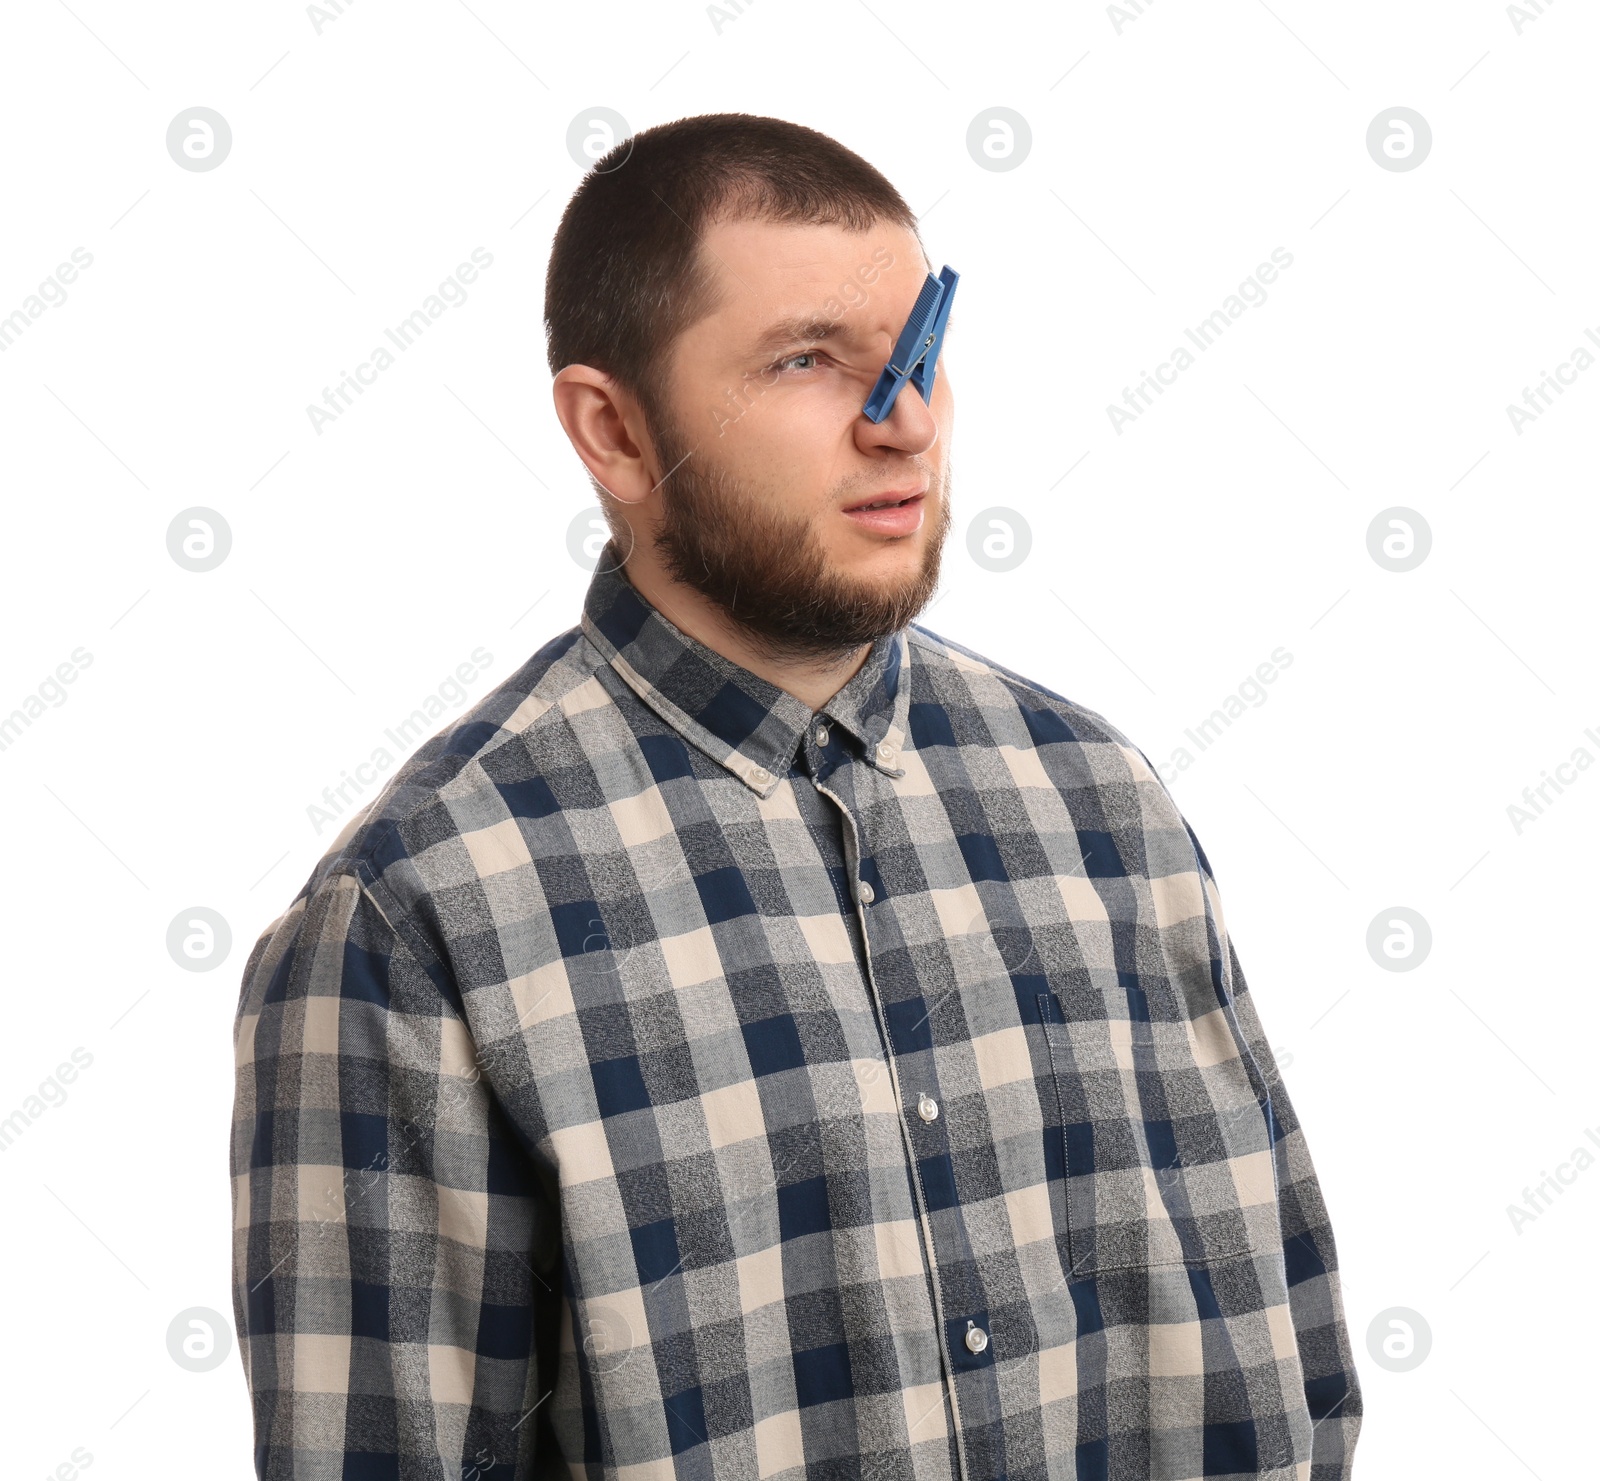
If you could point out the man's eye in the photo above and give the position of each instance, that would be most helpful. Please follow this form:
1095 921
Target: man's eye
790 359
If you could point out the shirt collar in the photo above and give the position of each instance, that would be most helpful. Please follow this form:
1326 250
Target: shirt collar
744 722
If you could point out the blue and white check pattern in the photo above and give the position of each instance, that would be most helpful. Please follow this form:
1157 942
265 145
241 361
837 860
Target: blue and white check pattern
662 1081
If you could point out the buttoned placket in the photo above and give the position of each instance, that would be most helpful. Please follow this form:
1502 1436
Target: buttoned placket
869 753
884 755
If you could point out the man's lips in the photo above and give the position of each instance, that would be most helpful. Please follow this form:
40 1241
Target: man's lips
892 497
897 512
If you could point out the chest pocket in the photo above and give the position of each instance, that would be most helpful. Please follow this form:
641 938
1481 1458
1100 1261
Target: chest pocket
1167 1146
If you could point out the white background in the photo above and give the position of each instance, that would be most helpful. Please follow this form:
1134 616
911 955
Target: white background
1171 152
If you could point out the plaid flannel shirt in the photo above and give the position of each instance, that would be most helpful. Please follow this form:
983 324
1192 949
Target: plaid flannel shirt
660 1080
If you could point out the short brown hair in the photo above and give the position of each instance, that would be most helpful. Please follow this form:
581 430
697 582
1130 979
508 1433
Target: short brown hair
626 278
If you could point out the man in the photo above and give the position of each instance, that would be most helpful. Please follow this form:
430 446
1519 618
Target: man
764 1038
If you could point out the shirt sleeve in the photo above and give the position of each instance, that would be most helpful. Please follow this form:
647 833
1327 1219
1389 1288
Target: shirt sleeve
1316 1306
392 1257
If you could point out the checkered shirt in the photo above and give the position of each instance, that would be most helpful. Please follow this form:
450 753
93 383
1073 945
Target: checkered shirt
660 1080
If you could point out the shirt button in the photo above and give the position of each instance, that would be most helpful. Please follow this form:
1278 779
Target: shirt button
886 753
822 735
762 776
977 1338
864 893
928 1107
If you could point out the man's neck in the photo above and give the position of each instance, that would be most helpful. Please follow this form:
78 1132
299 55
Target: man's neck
815 681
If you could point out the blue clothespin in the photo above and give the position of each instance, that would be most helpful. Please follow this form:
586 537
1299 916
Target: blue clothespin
917 350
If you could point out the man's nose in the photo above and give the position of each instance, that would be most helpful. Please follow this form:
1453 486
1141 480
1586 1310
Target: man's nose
910 425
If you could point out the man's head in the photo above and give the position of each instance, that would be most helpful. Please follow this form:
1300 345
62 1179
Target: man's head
722 294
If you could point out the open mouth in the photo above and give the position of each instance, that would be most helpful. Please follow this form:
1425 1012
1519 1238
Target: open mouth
885 503
890 501
890 515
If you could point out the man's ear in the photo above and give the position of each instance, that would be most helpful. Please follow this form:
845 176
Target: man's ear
605 425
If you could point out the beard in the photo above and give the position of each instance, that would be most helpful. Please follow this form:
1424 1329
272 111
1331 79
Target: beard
767 570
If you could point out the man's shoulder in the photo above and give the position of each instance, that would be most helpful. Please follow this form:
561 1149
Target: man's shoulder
1079 747
990 684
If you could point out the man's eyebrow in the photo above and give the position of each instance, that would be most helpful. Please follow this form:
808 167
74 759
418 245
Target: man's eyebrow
801 327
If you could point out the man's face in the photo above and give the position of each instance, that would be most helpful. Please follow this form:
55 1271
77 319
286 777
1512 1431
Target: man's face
764 447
